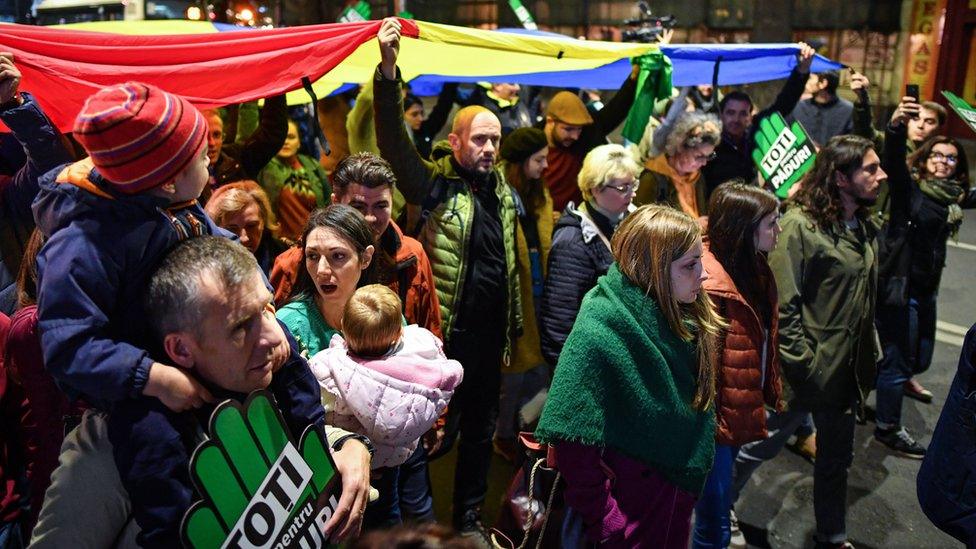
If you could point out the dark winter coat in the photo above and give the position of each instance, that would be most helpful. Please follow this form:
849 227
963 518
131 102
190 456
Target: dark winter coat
916 218
45 151
946 481
564 164
44 410
239 161
578 257
523 113
11 446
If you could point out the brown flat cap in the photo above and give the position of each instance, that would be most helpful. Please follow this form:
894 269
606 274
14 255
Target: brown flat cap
567 108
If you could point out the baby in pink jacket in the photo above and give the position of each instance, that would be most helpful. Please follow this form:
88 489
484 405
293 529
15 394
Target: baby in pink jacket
389 382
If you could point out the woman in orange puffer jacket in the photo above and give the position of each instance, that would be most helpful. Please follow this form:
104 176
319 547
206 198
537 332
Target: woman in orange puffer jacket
742 226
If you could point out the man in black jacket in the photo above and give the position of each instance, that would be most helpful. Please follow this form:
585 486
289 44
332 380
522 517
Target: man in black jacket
733 156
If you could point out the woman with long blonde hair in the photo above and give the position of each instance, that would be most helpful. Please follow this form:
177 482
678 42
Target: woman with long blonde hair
631 410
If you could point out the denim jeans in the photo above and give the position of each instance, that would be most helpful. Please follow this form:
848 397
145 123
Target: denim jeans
896 365
416 497
922 318
907 339
12 535
806 428
835 452
712 529
404 492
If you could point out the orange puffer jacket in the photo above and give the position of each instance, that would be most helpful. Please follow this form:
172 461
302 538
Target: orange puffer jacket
741 392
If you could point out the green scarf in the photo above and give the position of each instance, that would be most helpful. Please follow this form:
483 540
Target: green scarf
626 381
946 193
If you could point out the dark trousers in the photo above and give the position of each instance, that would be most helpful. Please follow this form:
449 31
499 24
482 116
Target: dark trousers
922 315
404 494
474 410
835 453
897 363
908 339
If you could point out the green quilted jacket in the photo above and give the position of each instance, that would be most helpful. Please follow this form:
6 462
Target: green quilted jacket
446 235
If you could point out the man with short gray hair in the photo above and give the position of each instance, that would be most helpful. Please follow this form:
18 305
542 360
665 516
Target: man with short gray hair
210 309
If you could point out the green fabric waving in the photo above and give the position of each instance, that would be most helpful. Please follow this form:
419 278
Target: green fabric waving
653 83
626 381
945 192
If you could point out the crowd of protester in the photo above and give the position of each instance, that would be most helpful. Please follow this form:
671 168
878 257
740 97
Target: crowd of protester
653 313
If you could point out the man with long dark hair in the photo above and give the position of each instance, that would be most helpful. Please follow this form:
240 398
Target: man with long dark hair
826 267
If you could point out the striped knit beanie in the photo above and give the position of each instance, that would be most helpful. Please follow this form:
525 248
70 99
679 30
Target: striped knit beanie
139 136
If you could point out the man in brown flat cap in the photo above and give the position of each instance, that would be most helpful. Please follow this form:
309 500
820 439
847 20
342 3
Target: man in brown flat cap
573 132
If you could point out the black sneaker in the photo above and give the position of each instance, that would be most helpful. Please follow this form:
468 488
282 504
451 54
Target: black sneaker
900 441
470 528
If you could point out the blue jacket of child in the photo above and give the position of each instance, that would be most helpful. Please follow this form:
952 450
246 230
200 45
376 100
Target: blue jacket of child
102 247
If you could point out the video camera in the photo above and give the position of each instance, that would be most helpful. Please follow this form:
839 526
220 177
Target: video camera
647 27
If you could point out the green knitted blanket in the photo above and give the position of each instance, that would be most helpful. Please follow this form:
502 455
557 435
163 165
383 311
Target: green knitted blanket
626 381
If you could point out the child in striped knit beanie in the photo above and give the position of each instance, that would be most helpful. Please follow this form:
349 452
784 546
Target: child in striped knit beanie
109 219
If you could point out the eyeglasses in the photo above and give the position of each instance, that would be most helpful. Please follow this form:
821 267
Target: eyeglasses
705 158
624 189
947 158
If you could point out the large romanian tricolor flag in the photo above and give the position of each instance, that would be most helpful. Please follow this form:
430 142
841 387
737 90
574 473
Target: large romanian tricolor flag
62 66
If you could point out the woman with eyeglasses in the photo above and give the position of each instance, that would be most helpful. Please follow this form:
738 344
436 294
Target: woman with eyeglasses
675 177
580 251
911 272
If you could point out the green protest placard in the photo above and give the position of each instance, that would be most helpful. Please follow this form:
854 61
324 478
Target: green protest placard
783 153
963 109
260 488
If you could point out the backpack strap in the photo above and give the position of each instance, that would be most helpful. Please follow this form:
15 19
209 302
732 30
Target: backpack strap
438 190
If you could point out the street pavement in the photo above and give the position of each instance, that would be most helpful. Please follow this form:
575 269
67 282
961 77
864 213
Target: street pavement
776 509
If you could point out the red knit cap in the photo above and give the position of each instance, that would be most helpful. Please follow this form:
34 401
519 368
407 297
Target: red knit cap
138 136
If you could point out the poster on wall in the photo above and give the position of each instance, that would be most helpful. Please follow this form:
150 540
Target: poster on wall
924 38
260 487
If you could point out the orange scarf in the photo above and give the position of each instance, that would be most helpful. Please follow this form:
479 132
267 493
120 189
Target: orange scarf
684 185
